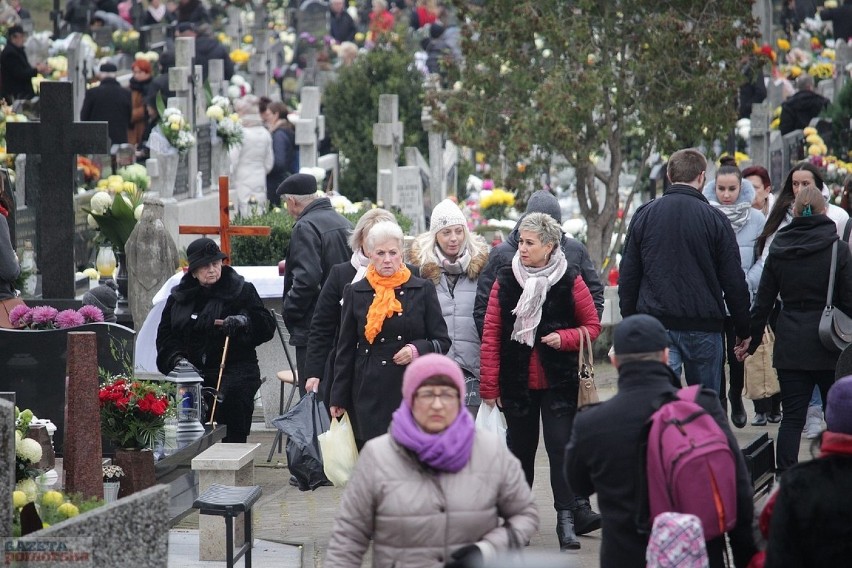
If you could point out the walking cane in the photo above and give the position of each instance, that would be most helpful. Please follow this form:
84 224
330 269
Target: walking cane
219 382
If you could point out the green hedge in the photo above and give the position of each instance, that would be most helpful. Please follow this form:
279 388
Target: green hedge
263 251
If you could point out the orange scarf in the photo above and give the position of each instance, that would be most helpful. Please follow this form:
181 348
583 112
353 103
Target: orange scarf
385 303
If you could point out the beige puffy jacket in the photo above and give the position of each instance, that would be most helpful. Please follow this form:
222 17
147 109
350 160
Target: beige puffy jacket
418 517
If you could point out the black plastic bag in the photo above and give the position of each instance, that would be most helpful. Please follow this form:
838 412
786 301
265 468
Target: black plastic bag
302 424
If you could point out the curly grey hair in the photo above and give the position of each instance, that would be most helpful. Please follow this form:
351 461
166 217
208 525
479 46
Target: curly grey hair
543 225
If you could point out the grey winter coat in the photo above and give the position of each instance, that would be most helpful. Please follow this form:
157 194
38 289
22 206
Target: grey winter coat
747 234
456 305
418 517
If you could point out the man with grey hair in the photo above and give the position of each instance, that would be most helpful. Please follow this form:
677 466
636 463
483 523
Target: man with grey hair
320 239
109 102
798 111
605 453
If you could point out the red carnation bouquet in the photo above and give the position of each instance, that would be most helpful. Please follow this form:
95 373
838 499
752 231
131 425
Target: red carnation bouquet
133 412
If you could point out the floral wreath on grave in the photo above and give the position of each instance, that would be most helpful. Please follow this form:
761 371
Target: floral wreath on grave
224 120
133 412
47 317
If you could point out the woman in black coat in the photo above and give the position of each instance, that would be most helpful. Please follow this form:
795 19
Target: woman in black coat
325 325
797 268
389 319
210 291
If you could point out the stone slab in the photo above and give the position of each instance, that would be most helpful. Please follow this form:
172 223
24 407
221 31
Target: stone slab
225 457
129 532
211 544
7 464
183 552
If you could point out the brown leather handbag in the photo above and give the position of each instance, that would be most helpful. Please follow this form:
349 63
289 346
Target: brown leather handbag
588 393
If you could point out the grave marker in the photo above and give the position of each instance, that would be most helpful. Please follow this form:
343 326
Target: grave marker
793 152
761 117
409 197
310 127
7 464
387 137
79 68
57 138
224 229
201 130
311 28
181 82
776 159
843 57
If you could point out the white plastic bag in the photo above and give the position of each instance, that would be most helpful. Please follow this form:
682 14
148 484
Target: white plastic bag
339 452
490 419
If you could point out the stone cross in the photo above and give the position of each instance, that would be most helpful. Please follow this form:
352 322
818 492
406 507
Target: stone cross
387 137
58 138
181 82
437 187
224 229
234 25
310 127
81 462
216 77
761 117
78 71
258 64
7 465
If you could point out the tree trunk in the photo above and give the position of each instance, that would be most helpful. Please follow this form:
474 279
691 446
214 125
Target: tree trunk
600 220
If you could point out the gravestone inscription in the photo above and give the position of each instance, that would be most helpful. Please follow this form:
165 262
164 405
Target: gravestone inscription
409 196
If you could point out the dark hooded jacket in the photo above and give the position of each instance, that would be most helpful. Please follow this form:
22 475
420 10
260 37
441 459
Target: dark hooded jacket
16 73
501 255
798 111
187 327
797 268
207 48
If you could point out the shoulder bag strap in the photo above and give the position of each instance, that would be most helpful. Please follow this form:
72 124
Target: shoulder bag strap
847 230
589 354
829 299
581 360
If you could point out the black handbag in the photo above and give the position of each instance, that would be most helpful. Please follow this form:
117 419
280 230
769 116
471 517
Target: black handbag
835 327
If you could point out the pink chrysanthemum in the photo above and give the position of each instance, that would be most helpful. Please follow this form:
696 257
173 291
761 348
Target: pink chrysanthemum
19 315
69 318
91 313
44 316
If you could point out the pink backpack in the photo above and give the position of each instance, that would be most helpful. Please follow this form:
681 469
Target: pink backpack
690 466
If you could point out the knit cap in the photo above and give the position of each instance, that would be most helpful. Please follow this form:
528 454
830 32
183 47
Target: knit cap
428 366
446 214
838 408
542 201
104 297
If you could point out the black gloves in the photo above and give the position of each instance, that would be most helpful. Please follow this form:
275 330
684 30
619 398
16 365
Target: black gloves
233 324
465 557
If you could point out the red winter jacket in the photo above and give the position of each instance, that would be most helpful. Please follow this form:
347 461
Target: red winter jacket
584 313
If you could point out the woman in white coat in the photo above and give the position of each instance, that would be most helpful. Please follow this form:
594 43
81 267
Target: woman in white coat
252 159
733 196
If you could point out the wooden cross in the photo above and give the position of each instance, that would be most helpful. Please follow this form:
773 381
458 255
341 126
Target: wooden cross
225 230
58 138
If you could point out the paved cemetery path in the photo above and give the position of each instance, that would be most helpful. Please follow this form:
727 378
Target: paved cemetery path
286 514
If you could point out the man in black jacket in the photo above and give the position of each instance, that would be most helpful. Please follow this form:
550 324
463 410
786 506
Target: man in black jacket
681 264
207 47
798 111
342 25
16 73
320 239
541 201
604 455
109 102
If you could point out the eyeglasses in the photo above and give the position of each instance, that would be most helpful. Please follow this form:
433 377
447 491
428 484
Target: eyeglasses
447 397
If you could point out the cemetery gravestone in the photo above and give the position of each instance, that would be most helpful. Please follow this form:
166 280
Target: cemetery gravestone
310 127
7 465
33 366
409 197
58 138
437 191
81 463
387 136
793 151
776 159
180 81
311 28
258 64
842 58
202 131
761 117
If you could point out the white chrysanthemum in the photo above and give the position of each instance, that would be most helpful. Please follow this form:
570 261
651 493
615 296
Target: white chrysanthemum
234 91
317 172
101 200
215 112
28 449
29 487
238 80
18 437
137 213
221 102
169 112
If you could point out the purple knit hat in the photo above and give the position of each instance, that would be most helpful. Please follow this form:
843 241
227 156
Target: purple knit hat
838 410
426 367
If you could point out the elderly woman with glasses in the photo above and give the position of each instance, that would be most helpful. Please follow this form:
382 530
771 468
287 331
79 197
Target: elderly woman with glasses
529 360
472 501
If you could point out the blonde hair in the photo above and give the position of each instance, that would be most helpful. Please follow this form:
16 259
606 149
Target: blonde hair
367 221
809 197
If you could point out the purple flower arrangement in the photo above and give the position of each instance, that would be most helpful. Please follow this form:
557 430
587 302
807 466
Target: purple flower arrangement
46 317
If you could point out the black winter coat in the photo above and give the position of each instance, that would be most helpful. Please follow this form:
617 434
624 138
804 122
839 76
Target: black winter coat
798 111
367 382
501 255
681 264
319 241
197 339
112 103
811 523
603 457
207 48
342 27
16 73
797 268
283 151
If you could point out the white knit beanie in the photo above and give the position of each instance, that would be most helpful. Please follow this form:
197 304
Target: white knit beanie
446 214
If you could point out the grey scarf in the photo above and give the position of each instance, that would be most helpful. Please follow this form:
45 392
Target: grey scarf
536 283
737 213
457 267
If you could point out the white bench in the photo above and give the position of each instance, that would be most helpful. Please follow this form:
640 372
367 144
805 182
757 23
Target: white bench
222 464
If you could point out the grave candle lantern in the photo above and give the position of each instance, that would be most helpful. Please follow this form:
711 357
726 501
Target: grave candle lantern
190 412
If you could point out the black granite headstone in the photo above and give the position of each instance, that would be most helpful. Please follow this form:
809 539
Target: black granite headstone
776 166
182 179
33 366
202 137
58 138
311 28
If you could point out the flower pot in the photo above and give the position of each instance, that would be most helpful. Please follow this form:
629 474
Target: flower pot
138 466
220 164
168 165
111 491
